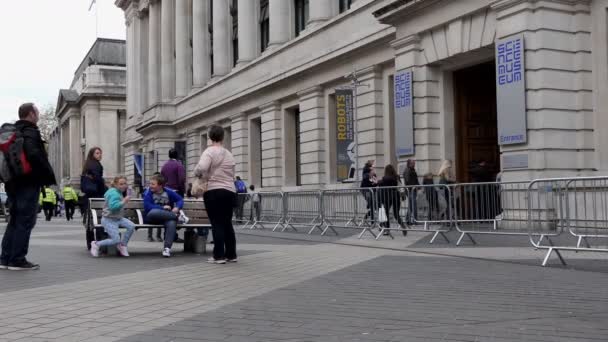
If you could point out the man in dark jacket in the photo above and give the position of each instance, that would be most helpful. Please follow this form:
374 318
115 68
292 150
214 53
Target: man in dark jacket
410 178
23 193
174 173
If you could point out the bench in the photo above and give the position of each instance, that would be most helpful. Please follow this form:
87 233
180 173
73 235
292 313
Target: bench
193 209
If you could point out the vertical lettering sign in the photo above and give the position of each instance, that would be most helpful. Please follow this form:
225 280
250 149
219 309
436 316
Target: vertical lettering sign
511 91
404 113
345 133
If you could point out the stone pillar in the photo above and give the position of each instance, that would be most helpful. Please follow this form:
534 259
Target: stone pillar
280 22
322 10
154 41
109 141
201 43
141 65
249 27
167 50
272 173
312 136
75 155
240 145
183 55
130 14
193 152
222 22
370 122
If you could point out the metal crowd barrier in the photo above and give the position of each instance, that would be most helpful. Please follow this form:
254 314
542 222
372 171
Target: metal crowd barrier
494 208
582 211
429 206
271 211
346 208
302 209
242 213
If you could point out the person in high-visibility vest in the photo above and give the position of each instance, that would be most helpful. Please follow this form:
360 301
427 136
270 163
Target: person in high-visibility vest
49 201
70 199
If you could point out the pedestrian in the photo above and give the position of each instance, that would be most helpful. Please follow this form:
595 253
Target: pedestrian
215 170
390 198
23 191
70 199
92 183
446 178
162 206
113 218
256 201
368 182
430 193
241 193
410 178
49 202
174 174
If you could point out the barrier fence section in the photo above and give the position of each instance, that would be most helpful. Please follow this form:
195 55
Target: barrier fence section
243 213
346 208
587 209
302 209
495 208
269 210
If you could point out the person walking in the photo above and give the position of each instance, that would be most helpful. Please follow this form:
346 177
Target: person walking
390 198
369 181
216 169
174 174
49 202
446 178
256 207
241 193
92 183
410 178
70 199
23 192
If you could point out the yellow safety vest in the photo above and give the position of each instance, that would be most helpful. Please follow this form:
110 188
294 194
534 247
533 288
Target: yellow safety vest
49 196
69 194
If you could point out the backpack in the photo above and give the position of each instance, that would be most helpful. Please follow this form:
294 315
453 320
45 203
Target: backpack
241 188
13 162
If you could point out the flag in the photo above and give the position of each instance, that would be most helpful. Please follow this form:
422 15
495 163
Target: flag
92 3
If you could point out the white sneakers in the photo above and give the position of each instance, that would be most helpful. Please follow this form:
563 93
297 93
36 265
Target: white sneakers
94 249
214 261
167 252
122 249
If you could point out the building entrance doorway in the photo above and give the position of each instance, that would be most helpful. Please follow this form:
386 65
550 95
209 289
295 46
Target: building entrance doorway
476 122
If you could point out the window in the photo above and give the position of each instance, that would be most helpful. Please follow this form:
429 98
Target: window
345 5
264 25
292 154
234 9
296 119
302 13
180 148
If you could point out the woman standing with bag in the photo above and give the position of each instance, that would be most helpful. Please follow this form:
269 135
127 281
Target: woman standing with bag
92 183
215 182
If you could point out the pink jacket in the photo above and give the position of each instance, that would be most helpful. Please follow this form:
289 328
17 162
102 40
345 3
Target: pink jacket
216 166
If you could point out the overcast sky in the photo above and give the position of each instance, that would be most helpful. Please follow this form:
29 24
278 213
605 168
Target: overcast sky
42 42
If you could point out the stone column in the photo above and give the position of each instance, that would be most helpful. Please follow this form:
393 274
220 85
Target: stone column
141 65
249 37
154 39
183 56
312 136
201 43
321 10
240 145
167 50
130 64
280 22
193 152
221 37
272 173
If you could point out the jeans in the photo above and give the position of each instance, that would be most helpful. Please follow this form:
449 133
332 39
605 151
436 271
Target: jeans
241 199
219 209
167 219
23 211
49 210
111 225
70 208
411 208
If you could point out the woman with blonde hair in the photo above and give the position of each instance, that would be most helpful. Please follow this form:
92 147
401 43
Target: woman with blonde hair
446 177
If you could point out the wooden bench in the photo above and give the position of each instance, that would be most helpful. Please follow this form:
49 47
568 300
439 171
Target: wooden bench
193 209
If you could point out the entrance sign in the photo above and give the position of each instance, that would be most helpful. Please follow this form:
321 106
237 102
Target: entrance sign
345 134
511 90
404 113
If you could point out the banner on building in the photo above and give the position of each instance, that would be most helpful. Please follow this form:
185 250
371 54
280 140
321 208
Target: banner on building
138 161
345 135
511 91
404 113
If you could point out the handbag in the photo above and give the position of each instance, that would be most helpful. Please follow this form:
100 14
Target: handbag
382 215
87 185
199 186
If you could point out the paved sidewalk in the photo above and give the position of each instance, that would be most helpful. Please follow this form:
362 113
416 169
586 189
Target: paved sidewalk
298 288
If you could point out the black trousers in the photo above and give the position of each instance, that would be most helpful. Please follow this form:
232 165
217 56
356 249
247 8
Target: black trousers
70 208
219 204
49 210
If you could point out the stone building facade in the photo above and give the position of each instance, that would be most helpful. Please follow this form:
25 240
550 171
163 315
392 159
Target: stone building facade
268 70
92 113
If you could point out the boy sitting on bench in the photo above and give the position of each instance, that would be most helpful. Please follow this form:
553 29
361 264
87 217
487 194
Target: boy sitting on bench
162 206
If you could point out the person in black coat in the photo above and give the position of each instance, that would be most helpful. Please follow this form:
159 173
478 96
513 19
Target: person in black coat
368 180
92 183
23 191
410 177
390 198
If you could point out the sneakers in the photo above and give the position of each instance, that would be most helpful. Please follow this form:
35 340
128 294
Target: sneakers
24 266
94 249
122 250
216 261
3 266
167 252
231 260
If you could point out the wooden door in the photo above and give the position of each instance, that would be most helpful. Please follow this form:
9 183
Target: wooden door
476 126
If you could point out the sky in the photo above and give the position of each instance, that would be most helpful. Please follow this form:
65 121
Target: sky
42 42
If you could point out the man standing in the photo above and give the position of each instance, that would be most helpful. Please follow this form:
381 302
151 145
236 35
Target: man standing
23 192
174 174
70 199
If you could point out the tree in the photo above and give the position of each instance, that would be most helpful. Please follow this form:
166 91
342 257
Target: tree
47 122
